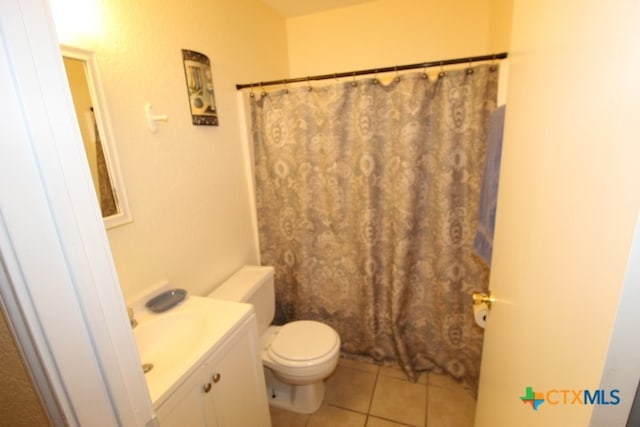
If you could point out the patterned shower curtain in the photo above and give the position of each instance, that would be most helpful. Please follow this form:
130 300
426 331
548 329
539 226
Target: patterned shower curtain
367 199
106 196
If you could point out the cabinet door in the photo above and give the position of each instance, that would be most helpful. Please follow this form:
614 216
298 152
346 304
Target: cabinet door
190 405
239 391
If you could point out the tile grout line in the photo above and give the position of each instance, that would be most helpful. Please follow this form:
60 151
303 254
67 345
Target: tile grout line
373 393
394 421
426 403
378 375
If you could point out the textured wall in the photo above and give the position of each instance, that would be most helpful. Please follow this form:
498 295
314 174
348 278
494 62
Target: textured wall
186 184
388 32
500 25
19 403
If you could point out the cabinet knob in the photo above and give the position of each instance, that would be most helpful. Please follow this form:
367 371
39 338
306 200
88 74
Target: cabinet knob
207 387
216 377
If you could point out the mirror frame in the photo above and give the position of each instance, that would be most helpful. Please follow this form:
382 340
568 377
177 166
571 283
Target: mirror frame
123 216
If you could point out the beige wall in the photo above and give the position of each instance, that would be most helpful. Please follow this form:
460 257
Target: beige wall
19 403
500 25
394 32
186 184
82 103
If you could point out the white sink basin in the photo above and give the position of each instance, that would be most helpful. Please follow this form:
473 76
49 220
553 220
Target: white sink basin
177 341
166 339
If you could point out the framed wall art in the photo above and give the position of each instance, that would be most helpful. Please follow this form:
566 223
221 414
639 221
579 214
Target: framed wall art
197 72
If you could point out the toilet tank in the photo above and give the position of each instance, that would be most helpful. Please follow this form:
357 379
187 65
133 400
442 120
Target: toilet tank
252 285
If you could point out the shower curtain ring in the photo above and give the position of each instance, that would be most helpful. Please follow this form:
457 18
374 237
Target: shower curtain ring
353 81
441 74
251 94
375 78
286 89
469 69
262 93
309 84
397 78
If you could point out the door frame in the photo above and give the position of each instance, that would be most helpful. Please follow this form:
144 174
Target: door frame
62 290
622 370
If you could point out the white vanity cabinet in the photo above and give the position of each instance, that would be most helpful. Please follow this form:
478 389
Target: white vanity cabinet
227 390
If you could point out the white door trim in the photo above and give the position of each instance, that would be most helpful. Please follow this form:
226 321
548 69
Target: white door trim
52 237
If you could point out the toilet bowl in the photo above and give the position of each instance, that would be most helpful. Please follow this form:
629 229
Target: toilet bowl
297 356
301 352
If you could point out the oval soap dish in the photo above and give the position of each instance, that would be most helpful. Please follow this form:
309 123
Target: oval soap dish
166 300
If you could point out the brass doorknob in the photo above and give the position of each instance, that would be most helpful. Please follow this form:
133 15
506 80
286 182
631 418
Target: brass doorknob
482 298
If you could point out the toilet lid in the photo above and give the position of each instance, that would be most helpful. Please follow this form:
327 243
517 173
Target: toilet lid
304 340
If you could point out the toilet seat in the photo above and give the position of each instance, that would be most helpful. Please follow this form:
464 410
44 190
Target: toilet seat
303 343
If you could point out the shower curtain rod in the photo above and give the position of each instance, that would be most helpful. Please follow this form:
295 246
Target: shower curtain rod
444 62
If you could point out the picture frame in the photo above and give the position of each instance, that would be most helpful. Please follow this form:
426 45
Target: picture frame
199 80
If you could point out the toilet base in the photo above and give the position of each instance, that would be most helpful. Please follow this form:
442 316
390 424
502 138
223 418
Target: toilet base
303 399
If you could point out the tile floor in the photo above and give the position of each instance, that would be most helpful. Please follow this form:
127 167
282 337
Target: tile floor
361 394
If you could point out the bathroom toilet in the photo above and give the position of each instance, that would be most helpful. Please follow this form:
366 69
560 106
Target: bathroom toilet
297 356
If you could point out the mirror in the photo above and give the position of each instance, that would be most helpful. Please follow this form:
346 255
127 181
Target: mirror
91 112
